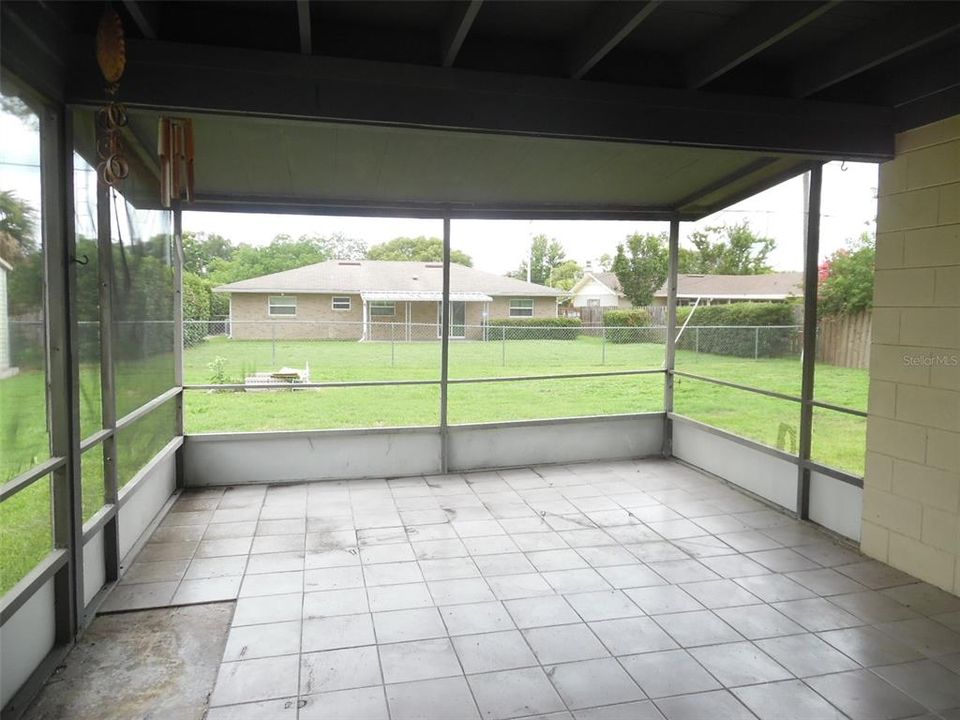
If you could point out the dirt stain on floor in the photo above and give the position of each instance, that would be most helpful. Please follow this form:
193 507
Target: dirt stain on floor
150 664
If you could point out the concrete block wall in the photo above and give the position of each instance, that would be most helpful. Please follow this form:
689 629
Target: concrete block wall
911 499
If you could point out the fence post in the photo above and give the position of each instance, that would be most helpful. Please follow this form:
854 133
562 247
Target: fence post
756 342
603 345
393 361
273 346
503 346
697 341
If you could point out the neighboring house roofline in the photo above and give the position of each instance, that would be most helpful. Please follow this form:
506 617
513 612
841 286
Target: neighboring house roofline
355 277
587 277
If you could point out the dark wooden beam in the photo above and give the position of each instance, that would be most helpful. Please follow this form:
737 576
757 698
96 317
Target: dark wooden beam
748 34
144 16
457 29
922 78
899 33
196 78
303 23
928 109
607 28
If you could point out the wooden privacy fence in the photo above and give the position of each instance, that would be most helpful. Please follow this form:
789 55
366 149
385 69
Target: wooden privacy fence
844 340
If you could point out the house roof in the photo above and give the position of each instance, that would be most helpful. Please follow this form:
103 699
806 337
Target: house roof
383 276
769 286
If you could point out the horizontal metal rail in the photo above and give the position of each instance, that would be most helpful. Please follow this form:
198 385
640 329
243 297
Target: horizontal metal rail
451 381
147 408
99 519
15 598
738 386
838 408
771 393
563 376
95 439
31 476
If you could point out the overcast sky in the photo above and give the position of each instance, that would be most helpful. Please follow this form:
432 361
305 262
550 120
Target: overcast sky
849 208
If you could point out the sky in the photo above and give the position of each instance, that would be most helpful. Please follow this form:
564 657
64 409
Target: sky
848 208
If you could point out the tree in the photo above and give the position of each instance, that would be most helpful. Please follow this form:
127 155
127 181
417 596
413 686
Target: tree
565 275
641 266
846 278
605 261
545 254
727 250
200 249
283 253
18 226
418 249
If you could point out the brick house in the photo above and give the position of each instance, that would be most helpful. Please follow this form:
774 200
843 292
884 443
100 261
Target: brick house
378 300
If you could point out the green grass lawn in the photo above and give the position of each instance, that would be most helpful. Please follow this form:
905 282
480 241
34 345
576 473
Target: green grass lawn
25 528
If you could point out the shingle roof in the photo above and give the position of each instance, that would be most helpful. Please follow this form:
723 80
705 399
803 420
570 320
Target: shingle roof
358 276
767 286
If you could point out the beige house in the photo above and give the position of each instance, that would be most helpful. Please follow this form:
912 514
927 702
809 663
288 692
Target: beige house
602 289
378 300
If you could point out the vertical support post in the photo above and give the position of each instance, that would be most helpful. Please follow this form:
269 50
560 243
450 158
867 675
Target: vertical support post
56 171
108 405
756 342
444 344
503 346
393 351
178 329
603 345
273 347
670 353
808 359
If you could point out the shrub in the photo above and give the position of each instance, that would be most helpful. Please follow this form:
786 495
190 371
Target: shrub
554 328
629 326
731 329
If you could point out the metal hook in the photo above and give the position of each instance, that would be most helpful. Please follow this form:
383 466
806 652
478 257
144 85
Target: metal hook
843 166
82 260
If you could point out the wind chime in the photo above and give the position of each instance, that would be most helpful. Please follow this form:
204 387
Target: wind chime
175 147
112 58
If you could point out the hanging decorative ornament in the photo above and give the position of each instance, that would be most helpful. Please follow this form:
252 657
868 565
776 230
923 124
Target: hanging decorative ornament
175 148
112 59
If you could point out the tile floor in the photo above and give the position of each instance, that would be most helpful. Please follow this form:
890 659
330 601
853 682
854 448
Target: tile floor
626 590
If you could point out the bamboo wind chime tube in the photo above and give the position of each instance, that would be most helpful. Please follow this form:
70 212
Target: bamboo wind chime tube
176 150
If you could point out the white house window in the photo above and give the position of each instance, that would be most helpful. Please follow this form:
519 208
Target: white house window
382 308
282 305
341 302
521 307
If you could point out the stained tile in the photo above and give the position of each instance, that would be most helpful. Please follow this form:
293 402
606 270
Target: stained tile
268 609
716 705
926 682
564 643
758 621
817 614
327 603
366 703
774 588
924 598
541 611
628 636
806 655
476 618
254 680
864 696
739 663
339 670
271 584
510 587
787 700
493 651
719 593
418 660
506 564
402 625
256 641
870 647
666 599
672 672
341 631
206 590
589 683
683 571
430 699
926 636
630 576
514 693
699 627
